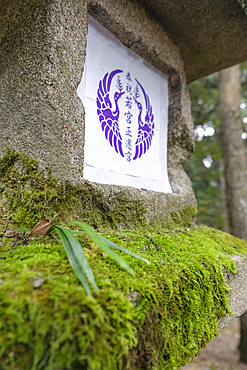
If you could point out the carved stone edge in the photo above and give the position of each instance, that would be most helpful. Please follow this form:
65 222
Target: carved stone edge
237 293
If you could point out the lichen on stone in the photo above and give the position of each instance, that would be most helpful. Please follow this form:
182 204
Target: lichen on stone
156 320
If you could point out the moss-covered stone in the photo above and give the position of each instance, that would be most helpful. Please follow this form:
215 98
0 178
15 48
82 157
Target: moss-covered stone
27 195
182 293
156 320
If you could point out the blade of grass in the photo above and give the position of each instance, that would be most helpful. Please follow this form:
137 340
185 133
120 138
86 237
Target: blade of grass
79 253
19 229
51 228
78 232
73 260
97 239
116 246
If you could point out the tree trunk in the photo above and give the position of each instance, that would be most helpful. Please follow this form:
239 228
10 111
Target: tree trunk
243 340
233 147
224 209
235 165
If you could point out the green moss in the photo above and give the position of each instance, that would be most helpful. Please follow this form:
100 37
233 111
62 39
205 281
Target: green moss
156 320
26 196
185 217
182 293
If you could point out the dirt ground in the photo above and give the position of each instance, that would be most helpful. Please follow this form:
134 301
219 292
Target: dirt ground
221 353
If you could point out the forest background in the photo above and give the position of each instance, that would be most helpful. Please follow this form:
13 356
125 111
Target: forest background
205 167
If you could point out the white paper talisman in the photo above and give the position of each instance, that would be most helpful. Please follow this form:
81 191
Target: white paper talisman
126 115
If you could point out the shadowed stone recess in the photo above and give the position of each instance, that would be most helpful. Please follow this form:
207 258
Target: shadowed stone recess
211 35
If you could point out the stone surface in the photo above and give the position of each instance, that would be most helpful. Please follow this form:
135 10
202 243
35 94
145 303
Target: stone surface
42 54
238 293
41 62
211 35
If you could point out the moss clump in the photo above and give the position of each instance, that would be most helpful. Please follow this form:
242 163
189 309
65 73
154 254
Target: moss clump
26 196
185 217
177 300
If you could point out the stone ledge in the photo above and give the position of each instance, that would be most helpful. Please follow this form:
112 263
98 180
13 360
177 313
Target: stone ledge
238 293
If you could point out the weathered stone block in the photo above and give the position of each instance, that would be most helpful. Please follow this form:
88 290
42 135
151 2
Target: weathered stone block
43 47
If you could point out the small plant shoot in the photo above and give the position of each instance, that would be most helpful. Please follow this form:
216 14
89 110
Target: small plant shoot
72 246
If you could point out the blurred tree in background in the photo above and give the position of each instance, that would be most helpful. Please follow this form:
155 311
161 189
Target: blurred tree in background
205 167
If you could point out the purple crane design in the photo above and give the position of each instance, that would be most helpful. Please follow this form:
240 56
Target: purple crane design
109 114
145 129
